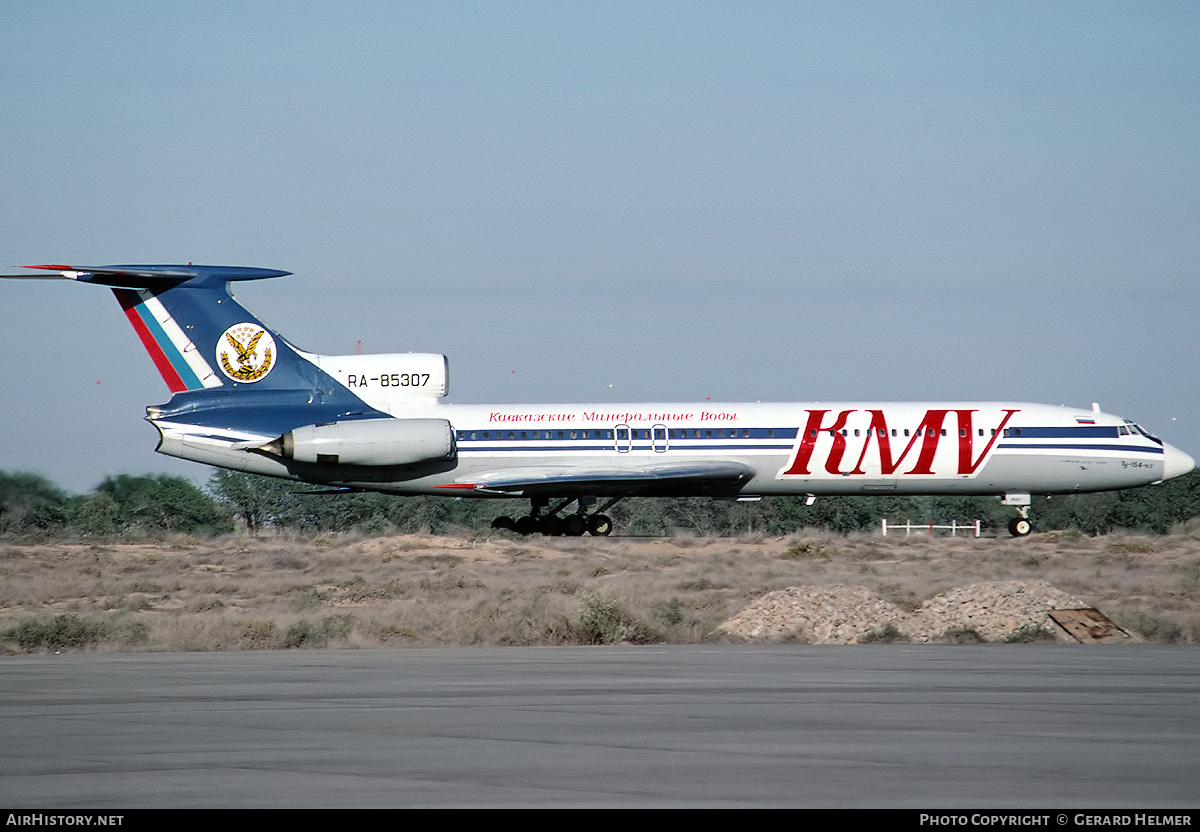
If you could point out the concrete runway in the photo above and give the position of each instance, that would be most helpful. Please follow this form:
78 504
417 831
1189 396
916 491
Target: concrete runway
1018 726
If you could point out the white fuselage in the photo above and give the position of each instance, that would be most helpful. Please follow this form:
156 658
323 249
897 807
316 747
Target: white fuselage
245 398
819 448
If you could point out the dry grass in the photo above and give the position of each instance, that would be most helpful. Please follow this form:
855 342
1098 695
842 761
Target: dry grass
268 592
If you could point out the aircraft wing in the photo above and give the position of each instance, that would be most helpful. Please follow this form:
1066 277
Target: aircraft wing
662 478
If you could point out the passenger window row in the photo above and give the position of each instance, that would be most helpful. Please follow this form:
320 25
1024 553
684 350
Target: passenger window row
637 433
881 432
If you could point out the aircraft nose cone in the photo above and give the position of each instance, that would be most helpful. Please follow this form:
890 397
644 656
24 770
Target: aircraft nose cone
1175 462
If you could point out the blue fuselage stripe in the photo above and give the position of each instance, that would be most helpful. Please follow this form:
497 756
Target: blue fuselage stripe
1065 446
1071 432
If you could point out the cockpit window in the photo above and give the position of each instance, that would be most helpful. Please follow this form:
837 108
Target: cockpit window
1136 428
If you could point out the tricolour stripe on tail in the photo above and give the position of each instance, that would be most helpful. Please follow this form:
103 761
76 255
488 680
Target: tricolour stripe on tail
176 357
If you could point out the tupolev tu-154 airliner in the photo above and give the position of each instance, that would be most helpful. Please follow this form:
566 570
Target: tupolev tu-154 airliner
248 400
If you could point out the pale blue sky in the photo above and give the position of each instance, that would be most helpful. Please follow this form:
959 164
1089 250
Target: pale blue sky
774 201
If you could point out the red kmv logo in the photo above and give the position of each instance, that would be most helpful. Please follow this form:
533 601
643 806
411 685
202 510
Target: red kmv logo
826 443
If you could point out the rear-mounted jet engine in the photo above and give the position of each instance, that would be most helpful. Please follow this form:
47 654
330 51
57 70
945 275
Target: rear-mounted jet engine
374 442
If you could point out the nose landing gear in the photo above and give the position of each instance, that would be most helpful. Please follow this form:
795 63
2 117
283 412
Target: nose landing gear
1019 526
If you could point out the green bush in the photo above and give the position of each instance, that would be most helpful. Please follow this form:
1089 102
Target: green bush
806 550
962 634
887 634
74 632
602 620
305 633
259 634
1029 633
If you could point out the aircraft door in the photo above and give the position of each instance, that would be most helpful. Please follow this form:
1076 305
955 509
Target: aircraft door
623 438
659 440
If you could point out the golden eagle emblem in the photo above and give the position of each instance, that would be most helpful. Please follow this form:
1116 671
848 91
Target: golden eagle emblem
246 352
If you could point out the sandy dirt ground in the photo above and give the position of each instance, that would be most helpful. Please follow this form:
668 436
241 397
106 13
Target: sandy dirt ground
273 592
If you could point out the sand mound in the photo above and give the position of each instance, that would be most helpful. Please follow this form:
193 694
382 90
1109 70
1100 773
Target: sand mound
834 614
994 609
839 614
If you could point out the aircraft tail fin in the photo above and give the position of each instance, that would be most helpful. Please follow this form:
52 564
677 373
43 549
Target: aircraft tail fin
195 331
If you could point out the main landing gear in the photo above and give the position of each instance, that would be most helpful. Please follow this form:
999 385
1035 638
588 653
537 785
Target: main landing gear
1019 526
552 525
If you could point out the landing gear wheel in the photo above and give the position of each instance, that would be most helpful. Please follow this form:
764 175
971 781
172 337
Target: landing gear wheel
600 525
526 525
1019 527
574 525
506 523
550 525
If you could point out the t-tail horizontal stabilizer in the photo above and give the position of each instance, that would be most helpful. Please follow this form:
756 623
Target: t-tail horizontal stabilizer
149 277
